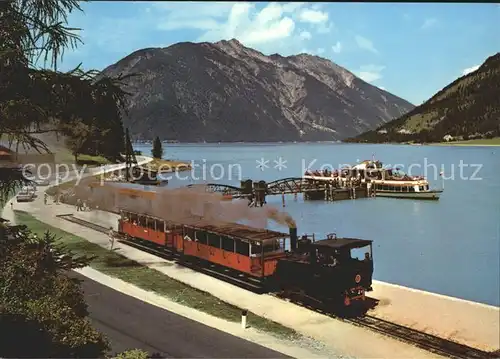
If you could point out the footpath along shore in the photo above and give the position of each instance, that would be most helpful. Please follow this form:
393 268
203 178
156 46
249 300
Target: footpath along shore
466 322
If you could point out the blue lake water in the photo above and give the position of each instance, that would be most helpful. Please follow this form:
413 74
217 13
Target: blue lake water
450 246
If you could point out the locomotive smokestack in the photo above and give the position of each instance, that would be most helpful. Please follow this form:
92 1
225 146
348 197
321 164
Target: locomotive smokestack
293 238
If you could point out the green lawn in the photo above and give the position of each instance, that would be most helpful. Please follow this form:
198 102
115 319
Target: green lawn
114 264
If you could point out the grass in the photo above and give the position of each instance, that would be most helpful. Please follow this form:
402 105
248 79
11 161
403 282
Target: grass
64 155
477 142
118 266
167 165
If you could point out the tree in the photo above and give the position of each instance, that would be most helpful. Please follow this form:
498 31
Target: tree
36 100
78 134
157 151
40 303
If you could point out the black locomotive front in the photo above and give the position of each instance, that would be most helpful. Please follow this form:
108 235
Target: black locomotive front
333 270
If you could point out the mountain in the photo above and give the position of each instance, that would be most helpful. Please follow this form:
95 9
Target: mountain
467 108
225 91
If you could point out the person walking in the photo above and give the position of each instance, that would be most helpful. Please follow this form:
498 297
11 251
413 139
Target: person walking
111 235
45 196
78 204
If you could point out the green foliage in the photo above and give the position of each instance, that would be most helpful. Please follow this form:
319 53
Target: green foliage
39 303
36 100
469 107
133 354
157 151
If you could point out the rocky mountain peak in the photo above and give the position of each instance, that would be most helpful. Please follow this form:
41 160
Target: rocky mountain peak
225 91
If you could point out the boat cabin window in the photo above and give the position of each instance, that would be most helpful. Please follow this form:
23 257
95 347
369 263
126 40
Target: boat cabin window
213 240
422 188
201 236
412 189
405 189
227 244
242 248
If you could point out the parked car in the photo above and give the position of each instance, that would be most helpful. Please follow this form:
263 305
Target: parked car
25 196
42 182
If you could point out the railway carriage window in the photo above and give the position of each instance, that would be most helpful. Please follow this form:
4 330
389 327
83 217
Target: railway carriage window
133 218
242 248
256 249
160 226
189 232
201 236
227 244
213 240
142 221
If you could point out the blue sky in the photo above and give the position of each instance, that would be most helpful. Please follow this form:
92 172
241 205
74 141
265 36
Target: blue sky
411 50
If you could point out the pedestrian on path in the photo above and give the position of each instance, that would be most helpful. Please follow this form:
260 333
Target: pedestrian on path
78 204
111 235
12 205
45 196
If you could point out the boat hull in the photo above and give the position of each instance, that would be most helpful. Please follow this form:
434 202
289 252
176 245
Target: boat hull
429 195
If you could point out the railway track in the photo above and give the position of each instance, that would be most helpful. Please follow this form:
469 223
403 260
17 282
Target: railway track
415 337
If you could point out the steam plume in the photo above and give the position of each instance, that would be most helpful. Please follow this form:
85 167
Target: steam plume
186 205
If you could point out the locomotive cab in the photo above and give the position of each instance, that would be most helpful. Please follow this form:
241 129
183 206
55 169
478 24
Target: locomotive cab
331 270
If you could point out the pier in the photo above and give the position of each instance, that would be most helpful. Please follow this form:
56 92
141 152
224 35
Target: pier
257 191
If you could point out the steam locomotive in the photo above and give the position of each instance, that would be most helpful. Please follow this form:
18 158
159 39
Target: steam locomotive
322 269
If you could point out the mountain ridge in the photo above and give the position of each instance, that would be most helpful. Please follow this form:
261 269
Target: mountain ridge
227 92
467 108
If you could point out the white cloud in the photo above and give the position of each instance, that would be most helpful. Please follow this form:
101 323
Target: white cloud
337 48
320 51
428 23
469 70
268 27
382 88
365 44
370 73
313 16
240 20
305 35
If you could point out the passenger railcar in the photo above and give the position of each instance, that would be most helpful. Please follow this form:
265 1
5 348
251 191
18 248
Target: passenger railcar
323 269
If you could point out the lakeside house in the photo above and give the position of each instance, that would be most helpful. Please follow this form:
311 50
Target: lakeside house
13 159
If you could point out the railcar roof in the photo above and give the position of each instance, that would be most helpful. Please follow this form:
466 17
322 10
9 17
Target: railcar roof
339 243
245 232
223 228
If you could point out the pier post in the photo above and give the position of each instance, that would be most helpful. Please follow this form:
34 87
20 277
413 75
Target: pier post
283 198
244 313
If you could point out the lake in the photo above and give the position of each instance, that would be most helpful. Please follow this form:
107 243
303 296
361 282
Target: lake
450 246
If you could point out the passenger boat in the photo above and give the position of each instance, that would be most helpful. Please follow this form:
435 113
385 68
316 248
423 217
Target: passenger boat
382 182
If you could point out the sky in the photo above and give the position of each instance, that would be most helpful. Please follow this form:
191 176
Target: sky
411 50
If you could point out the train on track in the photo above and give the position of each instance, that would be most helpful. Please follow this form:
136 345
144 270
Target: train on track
321 269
